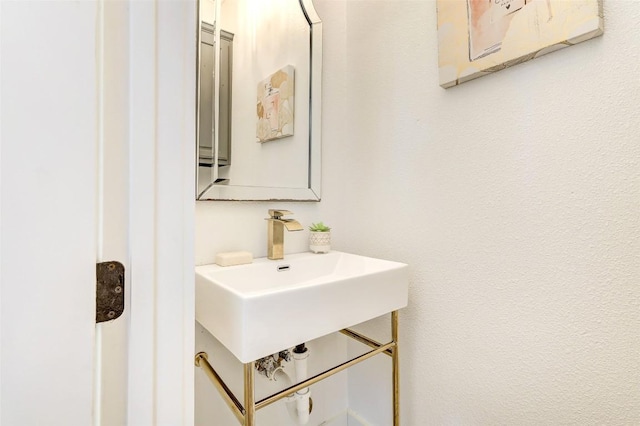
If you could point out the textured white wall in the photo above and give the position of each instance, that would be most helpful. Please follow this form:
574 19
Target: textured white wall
514 198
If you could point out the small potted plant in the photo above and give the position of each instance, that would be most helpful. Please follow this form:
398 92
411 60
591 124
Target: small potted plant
320 238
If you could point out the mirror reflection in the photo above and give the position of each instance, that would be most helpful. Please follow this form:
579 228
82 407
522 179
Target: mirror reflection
259 100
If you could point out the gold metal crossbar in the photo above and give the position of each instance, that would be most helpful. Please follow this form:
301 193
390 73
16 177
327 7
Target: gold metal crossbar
364 340
202 361
246 414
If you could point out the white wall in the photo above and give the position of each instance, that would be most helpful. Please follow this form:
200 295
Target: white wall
258 52
514 198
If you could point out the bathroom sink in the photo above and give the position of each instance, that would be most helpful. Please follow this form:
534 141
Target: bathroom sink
264 307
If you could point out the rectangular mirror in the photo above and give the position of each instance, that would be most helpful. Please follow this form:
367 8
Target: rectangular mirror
259 100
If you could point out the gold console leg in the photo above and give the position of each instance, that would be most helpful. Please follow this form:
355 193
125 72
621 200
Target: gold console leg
395 360
249 395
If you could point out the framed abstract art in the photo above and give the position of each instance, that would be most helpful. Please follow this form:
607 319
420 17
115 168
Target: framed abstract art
478 37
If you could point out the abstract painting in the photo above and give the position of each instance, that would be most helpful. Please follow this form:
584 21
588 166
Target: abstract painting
478 37
275 105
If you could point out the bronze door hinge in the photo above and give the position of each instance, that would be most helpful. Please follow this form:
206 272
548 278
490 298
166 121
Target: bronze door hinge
109 291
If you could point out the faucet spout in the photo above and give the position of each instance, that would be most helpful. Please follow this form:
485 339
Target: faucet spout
292 225
275 232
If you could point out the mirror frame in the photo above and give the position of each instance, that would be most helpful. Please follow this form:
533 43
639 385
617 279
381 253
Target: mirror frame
312 192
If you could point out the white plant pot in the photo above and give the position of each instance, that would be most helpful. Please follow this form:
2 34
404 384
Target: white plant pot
320 242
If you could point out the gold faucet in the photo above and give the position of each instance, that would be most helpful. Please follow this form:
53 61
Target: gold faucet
275 232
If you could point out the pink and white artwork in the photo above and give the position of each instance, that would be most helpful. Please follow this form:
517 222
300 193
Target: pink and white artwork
478 37
275 105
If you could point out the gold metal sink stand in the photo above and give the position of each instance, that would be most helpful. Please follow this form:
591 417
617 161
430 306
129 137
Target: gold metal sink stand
246 414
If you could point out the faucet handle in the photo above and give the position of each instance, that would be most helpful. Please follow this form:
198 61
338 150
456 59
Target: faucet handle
277 214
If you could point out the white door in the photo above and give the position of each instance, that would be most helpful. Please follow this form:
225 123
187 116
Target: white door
48 214
89 118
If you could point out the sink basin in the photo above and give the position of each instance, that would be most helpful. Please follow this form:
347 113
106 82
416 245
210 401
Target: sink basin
264 307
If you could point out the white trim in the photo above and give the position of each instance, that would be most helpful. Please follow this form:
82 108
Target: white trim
163 43
347 417
354 419
97 350
142 62
111 375
175 211
1 240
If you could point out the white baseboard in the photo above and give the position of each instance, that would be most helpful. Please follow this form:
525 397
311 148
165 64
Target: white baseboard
339 420
354 419
346 418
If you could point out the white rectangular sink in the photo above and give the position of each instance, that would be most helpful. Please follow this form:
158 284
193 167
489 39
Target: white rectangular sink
264 307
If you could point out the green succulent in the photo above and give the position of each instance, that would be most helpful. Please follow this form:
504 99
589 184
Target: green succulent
319 227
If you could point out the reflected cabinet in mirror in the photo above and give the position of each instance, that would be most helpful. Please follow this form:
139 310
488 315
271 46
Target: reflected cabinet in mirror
259 101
